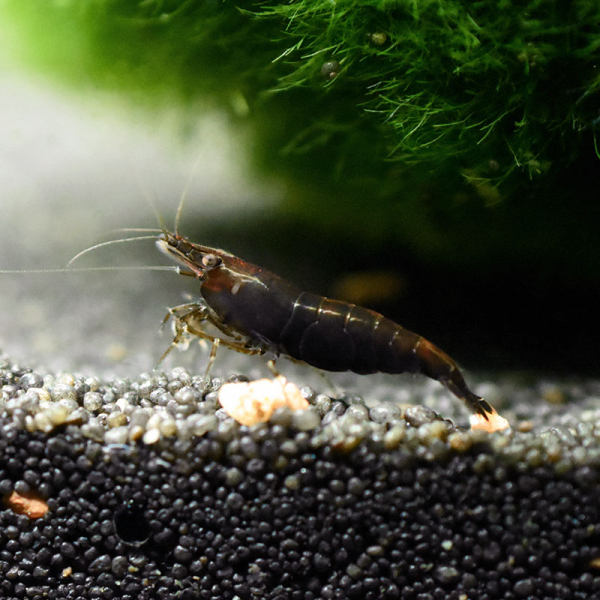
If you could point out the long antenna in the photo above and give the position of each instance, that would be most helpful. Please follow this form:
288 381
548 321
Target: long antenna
184 194
121 241
135 230
80 269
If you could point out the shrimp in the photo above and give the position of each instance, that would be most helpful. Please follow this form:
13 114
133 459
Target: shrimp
260 312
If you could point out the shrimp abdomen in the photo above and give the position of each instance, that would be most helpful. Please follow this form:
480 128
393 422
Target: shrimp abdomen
315 333
337 336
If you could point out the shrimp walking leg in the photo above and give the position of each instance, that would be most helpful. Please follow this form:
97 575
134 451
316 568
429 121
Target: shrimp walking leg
211 359
238 346
177 312
189 320
181 314
274 370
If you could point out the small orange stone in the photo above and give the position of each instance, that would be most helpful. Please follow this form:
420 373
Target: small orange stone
29 504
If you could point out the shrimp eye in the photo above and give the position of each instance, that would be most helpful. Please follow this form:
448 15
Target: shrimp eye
211 260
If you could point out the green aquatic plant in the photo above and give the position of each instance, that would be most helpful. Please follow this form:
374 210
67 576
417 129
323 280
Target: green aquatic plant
373 111
497 89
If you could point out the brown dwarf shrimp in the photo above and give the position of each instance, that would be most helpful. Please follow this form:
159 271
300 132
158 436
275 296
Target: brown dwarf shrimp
259 312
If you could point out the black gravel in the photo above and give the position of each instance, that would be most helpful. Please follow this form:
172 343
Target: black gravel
344 501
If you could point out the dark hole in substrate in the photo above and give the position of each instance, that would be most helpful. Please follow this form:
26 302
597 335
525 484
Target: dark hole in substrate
131 525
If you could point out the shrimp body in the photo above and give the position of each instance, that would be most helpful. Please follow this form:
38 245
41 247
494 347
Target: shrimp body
265 312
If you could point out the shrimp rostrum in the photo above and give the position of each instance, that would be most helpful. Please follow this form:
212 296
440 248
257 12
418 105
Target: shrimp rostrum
259 311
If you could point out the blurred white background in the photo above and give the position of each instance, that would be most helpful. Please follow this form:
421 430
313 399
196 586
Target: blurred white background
72 169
